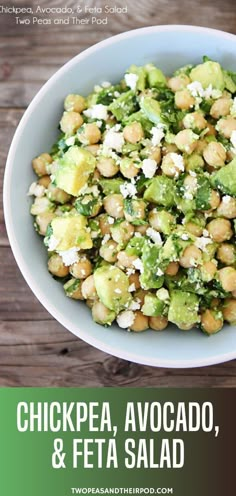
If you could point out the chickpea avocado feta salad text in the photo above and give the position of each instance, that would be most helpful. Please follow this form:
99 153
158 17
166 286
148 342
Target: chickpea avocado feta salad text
137 200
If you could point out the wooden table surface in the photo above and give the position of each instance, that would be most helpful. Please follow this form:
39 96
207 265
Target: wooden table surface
34 349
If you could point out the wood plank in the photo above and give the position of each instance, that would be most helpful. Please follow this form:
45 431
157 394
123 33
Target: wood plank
44 354
31 54
34 349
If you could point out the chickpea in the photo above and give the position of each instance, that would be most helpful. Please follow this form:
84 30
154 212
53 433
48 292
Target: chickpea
90 303
226 254
231 154
108 251
221 107
227 207
183 99
104 225
193 228
191 257
44 181
81 269
140 296
169 148
141 229
195 120
170 167
88 288
156 220
172 269
208 271
215 154
179 82
154 153
125 260
70 122
74 103
77 294
139 208
134 279
43 220
107 166
114 205
190 185
186 141
211 130
220 230
128 168
229 311
96 174
214 199
57 195
211 321
40 164
158 323
133 133
140 322
91 134
94 149
102 314
226 126
227 277
201 144
122 233
57 267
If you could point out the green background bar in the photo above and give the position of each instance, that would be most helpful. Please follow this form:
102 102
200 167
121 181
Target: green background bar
26 458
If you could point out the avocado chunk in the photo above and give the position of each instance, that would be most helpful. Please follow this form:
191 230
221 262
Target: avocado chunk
225 179
110 186
140 72
208 73
124 105
74 169
102 315
151 109
161 191
72 289
70 231
112 287
229 82
183 310
155 76
152 276
153 307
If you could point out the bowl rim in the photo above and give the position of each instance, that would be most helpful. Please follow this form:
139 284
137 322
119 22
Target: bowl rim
32 283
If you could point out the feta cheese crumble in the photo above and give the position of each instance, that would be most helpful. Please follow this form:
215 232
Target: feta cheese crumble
163 294
52 243
154 235
128 189
178 161
114 140
125 319
157 135
98 111
134 305
202 242
37 190
69 256
131 80
138 264
159 272
131 288
149 167
197 90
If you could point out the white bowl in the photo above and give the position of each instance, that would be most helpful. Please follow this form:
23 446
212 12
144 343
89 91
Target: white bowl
169 47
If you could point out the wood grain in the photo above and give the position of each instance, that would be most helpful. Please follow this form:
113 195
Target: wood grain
34 349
